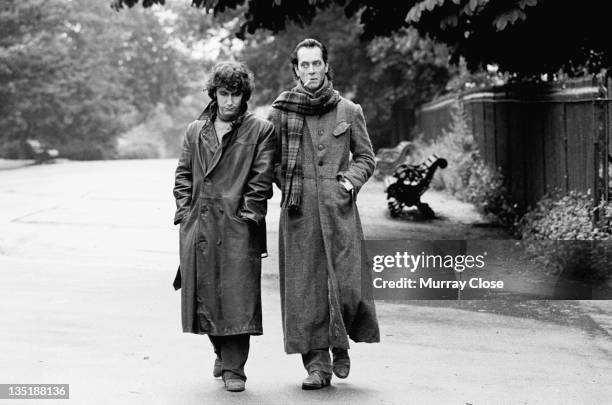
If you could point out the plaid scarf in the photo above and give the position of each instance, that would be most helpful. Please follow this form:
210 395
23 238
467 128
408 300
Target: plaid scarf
294 105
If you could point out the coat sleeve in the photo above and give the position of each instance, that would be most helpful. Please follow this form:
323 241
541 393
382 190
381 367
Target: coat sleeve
363 163
259 184
275 119
183 179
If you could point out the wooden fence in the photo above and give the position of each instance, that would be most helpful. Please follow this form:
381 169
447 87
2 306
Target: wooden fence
544 137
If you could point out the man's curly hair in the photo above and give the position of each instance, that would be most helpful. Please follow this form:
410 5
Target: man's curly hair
234 76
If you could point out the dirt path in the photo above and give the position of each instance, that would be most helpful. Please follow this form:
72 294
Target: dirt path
454 219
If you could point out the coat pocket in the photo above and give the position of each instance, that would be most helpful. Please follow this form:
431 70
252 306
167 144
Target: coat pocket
345 197
341 128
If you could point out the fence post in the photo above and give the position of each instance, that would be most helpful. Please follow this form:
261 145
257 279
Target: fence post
607 153
600 144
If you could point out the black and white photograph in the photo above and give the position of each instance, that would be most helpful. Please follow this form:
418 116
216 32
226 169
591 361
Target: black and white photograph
305 201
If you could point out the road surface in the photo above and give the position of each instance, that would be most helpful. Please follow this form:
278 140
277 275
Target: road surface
88 253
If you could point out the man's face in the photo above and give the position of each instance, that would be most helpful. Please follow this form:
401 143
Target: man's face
228 104
310 68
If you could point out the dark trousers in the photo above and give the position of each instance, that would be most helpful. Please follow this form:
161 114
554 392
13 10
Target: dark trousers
233 351
317 360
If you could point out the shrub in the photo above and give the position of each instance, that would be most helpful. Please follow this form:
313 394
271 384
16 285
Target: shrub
467 177
457 146
160 135
138 150
80 149
568 217
486 188
569 235
13 150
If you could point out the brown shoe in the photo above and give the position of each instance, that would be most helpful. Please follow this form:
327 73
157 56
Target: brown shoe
316 380
234 384
342 363
217 369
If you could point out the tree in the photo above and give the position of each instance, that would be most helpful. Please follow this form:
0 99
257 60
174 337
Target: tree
271 15
388 76
74 79
526 37
408 70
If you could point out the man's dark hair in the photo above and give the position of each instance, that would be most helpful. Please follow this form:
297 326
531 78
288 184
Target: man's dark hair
234 76
309 43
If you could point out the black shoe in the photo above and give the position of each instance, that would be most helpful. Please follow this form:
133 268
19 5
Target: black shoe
217 369
342 363
234 384
316 380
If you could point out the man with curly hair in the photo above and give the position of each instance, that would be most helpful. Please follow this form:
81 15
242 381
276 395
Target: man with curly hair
223 180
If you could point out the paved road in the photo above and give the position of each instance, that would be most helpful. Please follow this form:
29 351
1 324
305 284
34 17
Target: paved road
87 254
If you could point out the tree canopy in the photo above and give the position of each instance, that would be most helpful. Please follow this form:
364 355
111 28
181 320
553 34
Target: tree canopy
388 76
526 37
74 80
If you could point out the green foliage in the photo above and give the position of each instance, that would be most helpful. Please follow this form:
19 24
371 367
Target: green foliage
570 235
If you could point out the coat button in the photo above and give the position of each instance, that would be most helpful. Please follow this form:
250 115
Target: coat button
320 163
321 146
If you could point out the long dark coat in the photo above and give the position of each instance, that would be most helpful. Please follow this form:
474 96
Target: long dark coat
325 282
221 197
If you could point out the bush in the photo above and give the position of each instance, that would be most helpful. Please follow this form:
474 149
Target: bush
569 217
159 135
457 146
13 150
570 235
486 188
467 177
80 149
138 150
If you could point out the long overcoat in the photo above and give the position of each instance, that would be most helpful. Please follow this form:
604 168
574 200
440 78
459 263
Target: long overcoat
221 195
324 279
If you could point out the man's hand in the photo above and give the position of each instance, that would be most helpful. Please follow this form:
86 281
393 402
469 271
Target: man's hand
347 184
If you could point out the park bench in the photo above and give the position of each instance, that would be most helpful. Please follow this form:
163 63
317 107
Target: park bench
408 184
387 159
40 152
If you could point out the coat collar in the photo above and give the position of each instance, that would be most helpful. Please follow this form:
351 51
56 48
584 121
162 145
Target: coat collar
207 131
210 113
